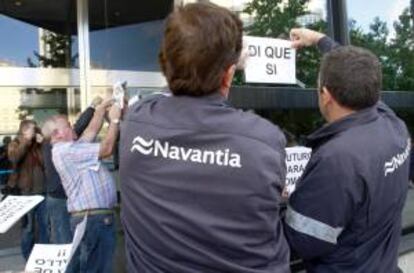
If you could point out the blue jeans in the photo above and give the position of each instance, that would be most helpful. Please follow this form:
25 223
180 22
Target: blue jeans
95 252
59 221
35 229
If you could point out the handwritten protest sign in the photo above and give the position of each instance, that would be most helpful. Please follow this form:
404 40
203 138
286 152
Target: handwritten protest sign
49 258
269 61
296 160
14 207
55 258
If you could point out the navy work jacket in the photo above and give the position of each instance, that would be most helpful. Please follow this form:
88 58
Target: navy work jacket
201 187
345 215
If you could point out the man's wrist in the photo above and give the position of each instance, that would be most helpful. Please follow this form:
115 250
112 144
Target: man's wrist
115 121
100 110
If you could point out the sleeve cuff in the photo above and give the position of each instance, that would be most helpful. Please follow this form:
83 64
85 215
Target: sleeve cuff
326 44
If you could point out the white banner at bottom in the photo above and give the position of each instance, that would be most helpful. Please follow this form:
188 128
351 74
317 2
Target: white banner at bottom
55 258
49 258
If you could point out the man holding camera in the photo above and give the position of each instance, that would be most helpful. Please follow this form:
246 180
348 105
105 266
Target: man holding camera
25 154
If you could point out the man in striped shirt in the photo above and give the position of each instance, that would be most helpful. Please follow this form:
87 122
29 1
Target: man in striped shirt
89 186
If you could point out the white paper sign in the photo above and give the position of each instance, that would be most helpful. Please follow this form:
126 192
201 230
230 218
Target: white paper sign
77 237
55 258
269 61
49 258
296 160
14 207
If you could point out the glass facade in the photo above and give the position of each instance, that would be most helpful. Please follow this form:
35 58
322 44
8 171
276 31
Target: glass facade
30 46
22 42
386 28
132 47
36 104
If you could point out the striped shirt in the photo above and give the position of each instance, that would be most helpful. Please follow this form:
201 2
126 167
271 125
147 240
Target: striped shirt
87 183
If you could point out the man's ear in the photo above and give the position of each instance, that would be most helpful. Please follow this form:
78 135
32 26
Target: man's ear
227 80
326 96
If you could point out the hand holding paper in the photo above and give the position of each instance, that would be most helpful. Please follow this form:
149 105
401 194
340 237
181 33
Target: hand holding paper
303 37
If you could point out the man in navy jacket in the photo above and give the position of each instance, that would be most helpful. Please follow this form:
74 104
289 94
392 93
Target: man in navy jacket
201 181
345 215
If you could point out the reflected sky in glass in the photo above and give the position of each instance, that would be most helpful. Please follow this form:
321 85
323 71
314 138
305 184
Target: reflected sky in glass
364 12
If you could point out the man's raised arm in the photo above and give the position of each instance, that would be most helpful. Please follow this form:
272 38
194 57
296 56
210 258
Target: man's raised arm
303 37
108 143
96 123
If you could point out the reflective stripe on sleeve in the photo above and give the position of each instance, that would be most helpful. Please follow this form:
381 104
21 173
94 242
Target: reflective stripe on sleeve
312 227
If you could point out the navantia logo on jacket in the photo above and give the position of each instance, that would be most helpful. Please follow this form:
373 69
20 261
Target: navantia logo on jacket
156 148
397 160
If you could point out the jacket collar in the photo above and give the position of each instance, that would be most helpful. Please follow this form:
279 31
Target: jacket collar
329 130
215 98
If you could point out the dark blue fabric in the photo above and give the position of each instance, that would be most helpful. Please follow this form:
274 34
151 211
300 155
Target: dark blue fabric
54 186
186 216
34 229
326 44
83 121
60 232
412 164
95 252
345 185
6 167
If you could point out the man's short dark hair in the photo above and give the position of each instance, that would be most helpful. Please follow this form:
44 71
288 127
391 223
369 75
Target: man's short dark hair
353 77
201 41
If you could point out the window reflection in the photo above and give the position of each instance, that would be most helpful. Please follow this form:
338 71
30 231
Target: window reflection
36 104
30 46
127 36
387 29
132 47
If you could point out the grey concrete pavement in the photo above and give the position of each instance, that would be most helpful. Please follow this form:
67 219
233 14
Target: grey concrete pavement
11 260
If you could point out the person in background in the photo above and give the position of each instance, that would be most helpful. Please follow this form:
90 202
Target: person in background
25 154
345 214
412 165
90 188
57 212
201 181
5 164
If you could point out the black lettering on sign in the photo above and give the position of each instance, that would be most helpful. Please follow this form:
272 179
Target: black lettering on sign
61 253
271 69
297 157
51 262
60 262
254 51
278 52
296 169
291 180
287 53
40 261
